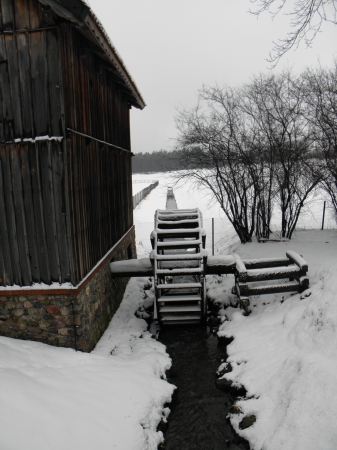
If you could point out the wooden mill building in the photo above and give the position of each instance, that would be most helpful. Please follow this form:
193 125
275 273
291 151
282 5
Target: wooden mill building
65 172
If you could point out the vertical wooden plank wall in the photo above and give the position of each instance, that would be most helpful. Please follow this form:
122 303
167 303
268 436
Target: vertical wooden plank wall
63 202
99 176
96 104
98 188
33 237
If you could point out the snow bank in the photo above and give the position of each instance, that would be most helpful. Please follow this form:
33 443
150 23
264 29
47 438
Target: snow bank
285 353
56 398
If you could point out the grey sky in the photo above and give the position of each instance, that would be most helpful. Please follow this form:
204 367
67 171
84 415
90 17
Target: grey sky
173 47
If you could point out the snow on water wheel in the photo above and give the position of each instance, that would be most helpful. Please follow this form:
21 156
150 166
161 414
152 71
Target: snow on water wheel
179 259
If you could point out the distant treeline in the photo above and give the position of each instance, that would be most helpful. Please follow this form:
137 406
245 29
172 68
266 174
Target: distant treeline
161 161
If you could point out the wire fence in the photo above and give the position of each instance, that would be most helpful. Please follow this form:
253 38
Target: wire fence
315 215
221 236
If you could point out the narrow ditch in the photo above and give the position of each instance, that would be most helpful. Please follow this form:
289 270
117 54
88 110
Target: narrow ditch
198 411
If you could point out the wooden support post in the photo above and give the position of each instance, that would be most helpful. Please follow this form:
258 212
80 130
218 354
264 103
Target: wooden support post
244 302
323 215
212 236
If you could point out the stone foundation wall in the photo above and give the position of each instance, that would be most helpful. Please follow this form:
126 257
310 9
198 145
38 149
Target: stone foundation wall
74 319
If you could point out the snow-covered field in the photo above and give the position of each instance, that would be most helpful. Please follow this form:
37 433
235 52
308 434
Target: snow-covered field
58 399
224 234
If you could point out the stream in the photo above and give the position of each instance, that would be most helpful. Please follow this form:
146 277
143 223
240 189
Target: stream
198 411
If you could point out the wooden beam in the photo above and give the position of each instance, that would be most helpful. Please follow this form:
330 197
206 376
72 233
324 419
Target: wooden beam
265 263
246 290
298 260
290 272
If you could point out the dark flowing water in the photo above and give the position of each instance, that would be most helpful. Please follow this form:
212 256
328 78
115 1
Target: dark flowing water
198 411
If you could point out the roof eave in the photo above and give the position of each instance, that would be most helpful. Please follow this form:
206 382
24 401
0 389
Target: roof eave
104 42
82 16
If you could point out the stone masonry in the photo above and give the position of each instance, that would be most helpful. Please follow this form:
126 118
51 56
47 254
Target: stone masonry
75 318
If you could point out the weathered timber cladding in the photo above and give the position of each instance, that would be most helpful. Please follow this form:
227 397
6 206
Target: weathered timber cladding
33 231
96 105
100 200
31 86
32 225
65 199
20 15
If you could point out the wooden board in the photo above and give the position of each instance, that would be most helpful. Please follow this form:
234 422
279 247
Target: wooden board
14 85
22 19
20 219
57 165
6 101
7 12
10 216
48 209
28 130
29 214
246 290
37 210
39 81
7 278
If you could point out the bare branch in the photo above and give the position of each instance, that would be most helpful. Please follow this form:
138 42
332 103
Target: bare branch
306 19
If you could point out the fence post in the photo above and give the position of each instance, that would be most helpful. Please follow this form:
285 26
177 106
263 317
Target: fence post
212 236
323 215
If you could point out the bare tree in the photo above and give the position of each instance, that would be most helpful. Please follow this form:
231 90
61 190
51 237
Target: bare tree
320 91
275 106
252 148
254 108
214 147
306 19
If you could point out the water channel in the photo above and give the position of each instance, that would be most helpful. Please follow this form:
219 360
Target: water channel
199 409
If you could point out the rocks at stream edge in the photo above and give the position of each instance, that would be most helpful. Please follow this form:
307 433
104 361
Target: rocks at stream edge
247 422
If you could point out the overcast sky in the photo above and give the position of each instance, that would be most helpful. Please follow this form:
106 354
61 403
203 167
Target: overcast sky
173 47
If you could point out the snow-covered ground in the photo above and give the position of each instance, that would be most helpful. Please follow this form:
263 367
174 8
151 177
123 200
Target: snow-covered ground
57 399
285 352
